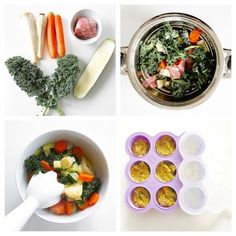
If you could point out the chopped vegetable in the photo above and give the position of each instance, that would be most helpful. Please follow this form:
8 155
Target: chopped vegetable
41 22
94 68
31 33
66 162
60 36
57 165
86 177
46 165
47 148
70 208
60 146
51 35
77 151
194 36
83 206
176 59
74 191
59 208
93 199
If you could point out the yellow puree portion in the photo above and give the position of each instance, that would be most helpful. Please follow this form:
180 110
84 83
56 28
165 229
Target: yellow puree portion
166 197
140 171
140 147
165 171
165 145
140 197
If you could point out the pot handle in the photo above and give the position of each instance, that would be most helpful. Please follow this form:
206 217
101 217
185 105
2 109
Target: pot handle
123 60
227 65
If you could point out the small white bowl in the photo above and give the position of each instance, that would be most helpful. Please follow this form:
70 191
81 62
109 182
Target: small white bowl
91 150
91 14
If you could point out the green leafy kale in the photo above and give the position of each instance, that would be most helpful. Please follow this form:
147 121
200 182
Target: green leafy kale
46 90
32 164
89 189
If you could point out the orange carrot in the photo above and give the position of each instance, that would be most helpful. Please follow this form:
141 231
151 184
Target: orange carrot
60 36
163 64
86 177
194 36
93 199
83 206
59 208
70 208
46 165
51 35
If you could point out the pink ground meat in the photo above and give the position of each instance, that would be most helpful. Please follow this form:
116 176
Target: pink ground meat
86 28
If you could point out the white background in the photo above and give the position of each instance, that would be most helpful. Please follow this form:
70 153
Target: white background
217 17
101 132
95 103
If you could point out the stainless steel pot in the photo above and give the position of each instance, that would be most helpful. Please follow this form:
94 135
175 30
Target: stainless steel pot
162 98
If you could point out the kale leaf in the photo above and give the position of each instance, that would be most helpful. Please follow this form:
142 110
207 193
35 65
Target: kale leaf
46 90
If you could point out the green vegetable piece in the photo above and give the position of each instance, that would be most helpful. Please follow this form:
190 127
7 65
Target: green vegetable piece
47 148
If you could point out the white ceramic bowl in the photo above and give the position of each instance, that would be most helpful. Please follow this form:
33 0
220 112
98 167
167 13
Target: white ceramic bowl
91 14
91 150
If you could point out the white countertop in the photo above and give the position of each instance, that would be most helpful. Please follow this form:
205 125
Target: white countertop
95 103
29 130
221 100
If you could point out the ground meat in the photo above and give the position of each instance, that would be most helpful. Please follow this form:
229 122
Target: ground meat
86 28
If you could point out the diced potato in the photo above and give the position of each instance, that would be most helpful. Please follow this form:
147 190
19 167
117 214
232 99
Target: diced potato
160 83
164 72
74 191
57 165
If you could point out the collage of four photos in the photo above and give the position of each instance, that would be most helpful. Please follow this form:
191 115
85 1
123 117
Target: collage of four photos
117 117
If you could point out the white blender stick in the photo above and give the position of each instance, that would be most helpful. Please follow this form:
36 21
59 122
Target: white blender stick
37 197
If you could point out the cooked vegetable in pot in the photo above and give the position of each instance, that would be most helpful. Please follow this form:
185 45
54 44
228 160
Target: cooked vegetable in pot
73 170
175 60
165 145
165 171
140 171
166 196
140 197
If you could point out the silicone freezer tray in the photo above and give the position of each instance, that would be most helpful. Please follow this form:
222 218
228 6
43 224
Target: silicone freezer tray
152 184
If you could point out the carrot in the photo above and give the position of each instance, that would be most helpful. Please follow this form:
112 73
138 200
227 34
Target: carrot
59 208
77 151
86 177
60 36
93 199
60 146
30 175
194 36
83 206
46 165
163 64
51 35
70 208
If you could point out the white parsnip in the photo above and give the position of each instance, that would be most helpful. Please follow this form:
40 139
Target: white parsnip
94 68
41 21
31 33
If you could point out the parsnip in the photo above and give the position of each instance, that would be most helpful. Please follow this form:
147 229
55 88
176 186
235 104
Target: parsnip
94 68
31 33
41 21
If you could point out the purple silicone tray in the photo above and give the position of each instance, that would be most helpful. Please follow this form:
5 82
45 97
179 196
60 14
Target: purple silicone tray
152 184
